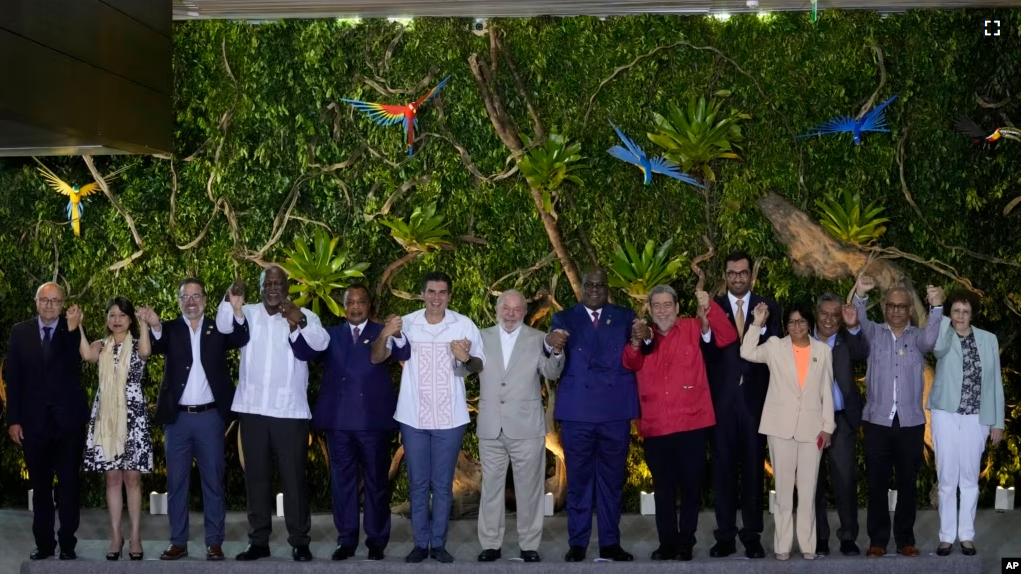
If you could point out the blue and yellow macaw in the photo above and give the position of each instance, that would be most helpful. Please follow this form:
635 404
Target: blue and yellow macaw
874 121
635 155
387 115
74 193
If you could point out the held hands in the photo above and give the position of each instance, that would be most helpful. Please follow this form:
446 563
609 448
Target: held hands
640 331
850 313
934 295
702 298
236 296
759 314
290 311
557 339
392 327
702 313
460 349
865 284
148 316
74 318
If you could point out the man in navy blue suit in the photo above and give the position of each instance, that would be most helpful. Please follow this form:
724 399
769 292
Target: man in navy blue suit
596 400
738 389
356 408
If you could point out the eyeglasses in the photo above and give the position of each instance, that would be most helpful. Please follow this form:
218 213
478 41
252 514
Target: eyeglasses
797 323
898 307
47 302
743 274
594 286
193 298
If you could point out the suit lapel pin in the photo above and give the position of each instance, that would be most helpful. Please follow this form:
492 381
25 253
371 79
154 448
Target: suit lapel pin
607 321
365 342
815 359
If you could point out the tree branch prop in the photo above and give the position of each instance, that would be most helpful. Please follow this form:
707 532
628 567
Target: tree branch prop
466 160
907 195
385 210
882 82
696 261
56 258
389 272
405 295
127 217
229 114
985 103
540 132
522 274
173 194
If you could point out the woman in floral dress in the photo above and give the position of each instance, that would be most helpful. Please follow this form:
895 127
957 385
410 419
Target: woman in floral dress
119 444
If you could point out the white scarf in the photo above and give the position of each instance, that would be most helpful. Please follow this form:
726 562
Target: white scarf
111 430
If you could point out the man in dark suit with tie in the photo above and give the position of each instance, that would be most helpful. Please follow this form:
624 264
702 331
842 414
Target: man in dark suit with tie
836 324
47 411
194 407
738 389
356 409
596 400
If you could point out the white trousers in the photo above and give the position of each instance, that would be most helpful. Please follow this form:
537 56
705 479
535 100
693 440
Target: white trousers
794 464
959 441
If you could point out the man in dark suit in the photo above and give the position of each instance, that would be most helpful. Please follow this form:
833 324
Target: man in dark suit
47 411
356 408
739 390
596 400
837 325
194 407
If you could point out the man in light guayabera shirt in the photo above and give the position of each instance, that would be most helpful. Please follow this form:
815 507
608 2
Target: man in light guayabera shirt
893 420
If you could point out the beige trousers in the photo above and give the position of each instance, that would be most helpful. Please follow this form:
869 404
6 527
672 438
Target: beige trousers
527 457
794 464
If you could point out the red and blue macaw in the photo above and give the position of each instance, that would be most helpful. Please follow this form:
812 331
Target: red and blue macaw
388 115
874 121
635 155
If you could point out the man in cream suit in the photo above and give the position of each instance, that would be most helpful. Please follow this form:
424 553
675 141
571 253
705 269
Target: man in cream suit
511 424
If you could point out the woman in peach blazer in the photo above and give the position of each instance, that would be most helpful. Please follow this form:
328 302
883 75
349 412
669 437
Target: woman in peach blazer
797 419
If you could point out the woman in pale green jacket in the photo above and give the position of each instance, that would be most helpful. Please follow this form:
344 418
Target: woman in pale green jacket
965 403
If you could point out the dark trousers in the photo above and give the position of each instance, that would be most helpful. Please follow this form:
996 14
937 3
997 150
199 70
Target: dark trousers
368 451
596 458
48 452
736 441
262 438
888 449
672 459
197 436
838 462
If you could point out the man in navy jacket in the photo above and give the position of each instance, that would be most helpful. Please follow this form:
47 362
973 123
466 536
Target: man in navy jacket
596 400
356 409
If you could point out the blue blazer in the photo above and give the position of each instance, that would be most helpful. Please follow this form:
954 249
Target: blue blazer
594 386
355 394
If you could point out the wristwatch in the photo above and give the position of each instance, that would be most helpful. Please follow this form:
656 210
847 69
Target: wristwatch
303 322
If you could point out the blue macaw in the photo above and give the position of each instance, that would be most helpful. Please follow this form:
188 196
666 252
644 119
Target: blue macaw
874 121
634 155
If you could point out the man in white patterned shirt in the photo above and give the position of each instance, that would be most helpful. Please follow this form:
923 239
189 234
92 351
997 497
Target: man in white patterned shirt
432 409
272 404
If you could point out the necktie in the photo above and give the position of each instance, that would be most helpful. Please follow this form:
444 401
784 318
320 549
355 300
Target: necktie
357 332
595 319
46 342
739 319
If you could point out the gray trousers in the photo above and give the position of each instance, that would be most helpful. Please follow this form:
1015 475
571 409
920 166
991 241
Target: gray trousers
527 458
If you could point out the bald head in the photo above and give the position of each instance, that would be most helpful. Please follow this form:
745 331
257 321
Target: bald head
49 301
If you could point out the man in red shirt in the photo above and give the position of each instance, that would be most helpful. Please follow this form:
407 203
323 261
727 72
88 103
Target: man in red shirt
676 408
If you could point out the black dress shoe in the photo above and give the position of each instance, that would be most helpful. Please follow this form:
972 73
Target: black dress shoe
489 555
575 554
342 553
441 555
615 553
822 548
67 554
530 556
376 554
968 550
944 550
685 554
849 548
722 549
754 549
416 555
40 554
663 553
253 552
301 553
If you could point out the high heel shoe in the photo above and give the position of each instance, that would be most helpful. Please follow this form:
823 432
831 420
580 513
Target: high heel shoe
113 556
136 555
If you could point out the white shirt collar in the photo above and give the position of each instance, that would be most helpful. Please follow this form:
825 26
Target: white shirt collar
590 311
504 333
733 300
359 326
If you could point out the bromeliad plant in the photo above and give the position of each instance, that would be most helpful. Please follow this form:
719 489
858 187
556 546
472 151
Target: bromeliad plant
636 273
548 166
318 272
697 135
424 231
849 221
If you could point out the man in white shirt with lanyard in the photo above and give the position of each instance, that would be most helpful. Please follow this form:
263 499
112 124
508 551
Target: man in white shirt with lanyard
272 404
432 409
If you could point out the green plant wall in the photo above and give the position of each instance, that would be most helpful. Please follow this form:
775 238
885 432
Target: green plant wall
260 133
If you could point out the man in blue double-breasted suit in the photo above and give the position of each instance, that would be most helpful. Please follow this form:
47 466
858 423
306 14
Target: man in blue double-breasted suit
596 400
356 408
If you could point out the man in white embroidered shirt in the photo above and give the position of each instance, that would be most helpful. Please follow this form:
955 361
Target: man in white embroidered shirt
272 405
432 409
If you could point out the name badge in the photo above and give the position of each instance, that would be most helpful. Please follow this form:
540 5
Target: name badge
815 359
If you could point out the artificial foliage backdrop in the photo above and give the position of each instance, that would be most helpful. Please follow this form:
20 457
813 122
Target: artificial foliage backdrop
266 151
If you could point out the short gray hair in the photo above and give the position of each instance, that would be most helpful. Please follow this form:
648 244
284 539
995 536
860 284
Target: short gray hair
503 296
660 289
262 276
48 284
828 298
